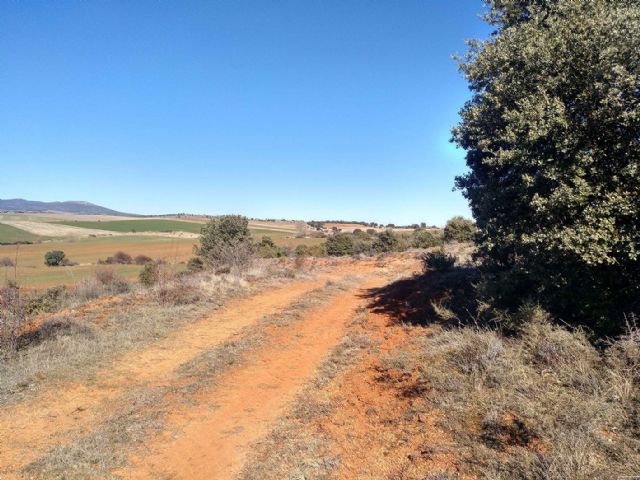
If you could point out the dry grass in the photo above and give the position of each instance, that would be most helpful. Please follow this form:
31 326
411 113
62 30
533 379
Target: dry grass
544 404
134 322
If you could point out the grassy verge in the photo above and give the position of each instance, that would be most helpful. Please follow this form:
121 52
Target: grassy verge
538 402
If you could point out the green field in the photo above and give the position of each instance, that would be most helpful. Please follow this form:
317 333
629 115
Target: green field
145 225
162 225
86 252
9 234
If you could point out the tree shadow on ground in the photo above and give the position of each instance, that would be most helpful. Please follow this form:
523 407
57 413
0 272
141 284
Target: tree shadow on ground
412 300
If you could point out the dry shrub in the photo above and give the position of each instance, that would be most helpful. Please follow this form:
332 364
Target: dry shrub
142 260
12 317
180 290
235 258
6 262
544 404
48 301
121 258
51 329
105 282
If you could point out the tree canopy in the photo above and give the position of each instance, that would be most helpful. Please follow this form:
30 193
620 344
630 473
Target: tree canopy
552 135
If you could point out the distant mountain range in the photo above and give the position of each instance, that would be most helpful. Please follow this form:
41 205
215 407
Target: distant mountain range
79 208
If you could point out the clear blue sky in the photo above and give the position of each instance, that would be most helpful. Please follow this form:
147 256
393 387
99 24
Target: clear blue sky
290 108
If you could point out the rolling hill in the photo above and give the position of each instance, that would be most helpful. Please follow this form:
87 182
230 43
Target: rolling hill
76 207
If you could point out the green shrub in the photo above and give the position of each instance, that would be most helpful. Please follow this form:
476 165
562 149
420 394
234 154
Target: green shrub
268 248
149 274
340 244
459 229
225 243
386 241
425 239
54 258
438 261
551 135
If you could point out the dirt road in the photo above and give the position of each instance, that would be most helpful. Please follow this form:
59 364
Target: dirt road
218 386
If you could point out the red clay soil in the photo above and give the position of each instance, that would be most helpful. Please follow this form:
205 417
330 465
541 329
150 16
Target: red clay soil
30 428
372 430
210 440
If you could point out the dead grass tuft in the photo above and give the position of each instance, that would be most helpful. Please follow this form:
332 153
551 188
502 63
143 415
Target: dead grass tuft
544 404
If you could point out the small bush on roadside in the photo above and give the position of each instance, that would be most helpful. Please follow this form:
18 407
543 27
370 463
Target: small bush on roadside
104 282
47 301
177 291
142 260
12 316
149 275
114 283
438 261
226 245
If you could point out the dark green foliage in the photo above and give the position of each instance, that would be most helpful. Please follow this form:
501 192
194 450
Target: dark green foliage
362 242
553 145
386 241
54 258
438 261
340 244
226 243
316 225
459 229
149 275
268 248
425 239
